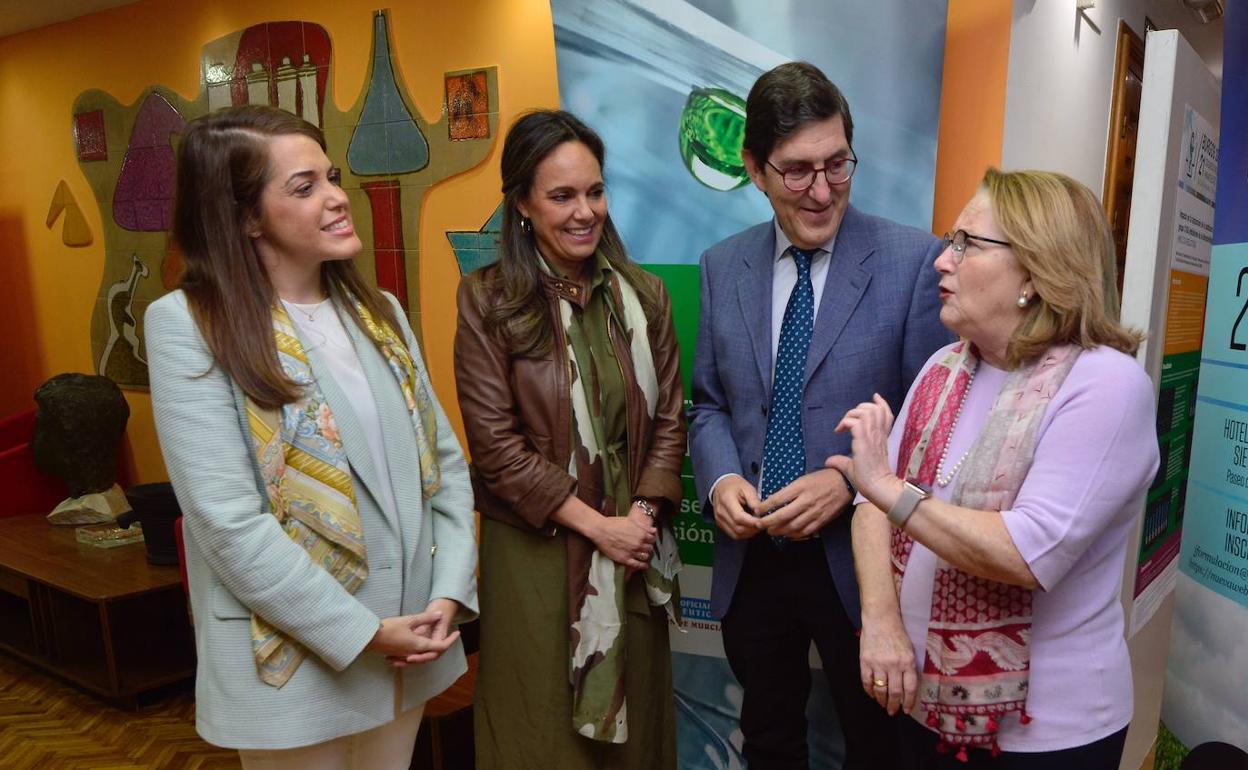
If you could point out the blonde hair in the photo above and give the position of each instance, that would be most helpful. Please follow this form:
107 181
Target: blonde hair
1059 235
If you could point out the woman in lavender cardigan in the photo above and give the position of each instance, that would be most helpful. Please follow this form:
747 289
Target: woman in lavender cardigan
994 514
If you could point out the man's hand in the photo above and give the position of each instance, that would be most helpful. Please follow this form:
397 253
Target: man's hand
734 502
887 665
805 506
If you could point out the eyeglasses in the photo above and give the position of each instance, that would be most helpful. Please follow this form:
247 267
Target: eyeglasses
802 178
957 240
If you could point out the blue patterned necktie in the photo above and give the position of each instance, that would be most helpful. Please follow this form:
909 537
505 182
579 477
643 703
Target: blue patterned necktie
784 452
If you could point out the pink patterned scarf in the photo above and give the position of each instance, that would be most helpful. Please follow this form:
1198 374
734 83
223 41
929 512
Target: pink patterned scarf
978 637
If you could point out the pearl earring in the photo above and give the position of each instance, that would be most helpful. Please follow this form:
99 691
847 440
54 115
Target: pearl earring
1022 299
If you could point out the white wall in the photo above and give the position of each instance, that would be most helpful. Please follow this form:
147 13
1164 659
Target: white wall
1060 79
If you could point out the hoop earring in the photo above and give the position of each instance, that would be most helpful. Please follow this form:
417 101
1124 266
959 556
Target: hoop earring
526 225
1023 299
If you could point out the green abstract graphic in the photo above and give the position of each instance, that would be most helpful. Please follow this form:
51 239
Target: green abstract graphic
712 129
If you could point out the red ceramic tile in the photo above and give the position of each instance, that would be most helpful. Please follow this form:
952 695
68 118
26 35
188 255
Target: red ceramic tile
392 274
90 136
253 48
285 40
316 44
383 198
467 105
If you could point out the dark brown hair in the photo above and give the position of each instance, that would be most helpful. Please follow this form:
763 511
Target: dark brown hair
787 98
223 164
518 311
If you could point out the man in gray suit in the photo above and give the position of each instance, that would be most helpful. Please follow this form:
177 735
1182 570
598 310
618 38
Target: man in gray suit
802 318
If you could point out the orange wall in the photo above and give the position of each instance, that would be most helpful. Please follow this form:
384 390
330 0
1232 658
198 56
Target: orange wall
972 103
50 287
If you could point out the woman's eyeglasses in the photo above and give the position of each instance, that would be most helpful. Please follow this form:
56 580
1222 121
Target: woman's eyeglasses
958 239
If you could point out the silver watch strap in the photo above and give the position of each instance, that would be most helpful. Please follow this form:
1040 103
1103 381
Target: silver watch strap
907 501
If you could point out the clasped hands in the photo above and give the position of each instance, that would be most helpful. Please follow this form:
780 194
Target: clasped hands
411 639
800 509
626 540
796 511
805 506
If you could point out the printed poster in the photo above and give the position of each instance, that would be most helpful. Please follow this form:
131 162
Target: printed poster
1180 366
1204 708
664 82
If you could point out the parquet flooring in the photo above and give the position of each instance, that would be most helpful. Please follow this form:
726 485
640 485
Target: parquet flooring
46 724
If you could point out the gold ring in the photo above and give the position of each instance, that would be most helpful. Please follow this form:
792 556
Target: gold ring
880 683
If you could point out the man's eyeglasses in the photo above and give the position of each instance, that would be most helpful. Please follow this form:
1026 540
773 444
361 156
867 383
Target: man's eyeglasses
958 239
802 178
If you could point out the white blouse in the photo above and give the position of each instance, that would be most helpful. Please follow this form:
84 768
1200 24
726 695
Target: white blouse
321 329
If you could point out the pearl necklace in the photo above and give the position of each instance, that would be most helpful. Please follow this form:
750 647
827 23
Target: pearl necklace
944 482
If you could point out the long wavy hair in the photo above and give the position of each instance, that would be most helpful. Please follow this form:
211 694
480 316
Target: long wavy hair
516 308
1058 232
223 166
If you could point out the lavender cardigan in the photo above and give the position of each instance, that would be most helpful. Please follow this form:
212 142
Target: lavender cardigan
1096 456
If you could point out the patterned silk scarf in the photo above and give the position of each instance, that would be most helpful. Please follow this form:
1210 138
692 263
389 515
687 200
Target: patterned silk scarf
596 590
308 479
978 638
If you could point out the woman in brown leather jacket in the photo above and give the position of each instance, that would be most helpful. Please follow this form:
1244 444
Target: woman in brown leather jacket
569 382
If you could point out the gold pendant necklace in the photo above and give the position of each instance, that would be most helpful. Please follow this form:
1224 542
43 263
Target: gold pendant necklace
311 316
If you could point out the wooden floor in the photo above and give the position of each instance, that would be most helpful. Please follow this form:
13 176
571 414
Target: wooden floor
48 725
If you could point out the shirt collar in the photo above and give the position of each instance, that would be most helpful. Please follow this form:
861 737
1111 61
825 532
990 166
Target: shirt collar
579 292
783 244
599 271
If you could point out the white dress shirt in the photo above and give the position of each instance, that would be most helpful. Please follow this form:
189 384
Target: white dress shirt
784 278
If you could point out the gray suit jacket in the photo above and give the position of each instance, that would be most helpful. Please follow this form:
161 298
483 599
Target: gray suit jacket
878 322
239 559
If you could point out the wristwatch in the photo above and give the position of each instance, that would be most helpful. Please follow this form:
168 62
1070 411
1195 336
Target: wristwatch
911 495
646 507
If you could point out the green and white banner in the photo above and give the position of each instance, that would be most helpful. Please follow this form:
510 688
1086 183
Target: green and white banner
1205 705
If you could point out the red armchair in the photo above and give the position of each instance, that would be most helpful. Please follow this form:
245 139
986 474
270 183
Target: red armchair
26 490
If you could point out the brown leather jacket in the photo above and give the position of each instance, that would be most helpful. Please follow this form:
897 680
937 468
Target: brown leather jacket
518 414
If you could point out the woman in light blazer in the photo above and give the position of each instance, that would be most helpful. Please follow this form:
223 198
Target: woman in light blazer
328 512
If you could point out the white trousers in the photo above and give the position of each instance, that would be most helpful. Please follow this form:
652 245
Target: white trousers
388 747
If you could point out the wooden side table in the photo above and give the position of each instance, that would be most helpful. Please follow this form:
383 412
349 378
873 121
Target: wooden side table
103 618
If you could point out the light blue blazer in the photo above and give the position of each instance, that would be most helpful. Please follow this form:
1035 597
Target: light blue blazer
240 560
